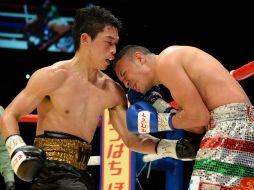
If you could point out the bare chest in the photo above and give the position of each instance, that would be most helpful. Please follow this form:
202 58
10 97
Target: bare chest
77 98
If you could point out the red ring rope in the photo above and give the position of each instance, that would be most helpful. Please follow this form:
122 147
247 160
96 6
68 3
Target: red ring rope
244 71
241 73
30 118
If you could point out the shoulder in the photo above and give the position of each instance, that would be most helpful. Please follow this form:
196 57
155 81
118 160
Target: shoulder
168 57
169 53
112 85
174 50
114 88
51 72
176 54
50 76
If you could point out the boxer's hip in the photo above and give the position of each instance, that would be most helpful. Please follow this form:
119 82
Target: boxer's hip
232 121
226 154
233 111
65 148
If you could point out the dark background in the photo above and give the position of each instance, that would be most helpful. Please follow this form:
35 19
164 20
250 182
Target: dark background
222 29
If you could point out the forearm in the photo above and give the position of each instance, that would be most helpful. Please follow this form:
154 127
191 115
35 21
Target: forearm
9 126
190 122
178 149
142 143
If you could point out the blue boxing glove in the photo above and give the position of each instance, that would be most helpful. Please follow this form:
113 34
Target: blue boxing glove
142 117
134 96
154 96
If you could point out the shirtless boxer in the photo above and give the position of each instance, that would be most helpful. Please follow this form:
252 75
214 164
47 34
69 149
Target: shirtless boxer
69 97
210 100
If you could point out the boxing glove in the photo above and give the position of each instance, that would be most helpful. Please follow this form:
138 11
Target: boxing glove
143 118
180 149
26 160
154 96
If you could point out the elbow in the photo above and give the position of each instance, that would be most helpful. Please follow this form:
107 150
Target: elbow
8 117
206 119
203 120
199 127
197 130
4 117
201 117
198 119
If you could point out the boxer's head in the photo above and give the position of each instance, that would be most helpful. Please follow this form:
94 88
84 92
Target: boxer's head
131 68
92 20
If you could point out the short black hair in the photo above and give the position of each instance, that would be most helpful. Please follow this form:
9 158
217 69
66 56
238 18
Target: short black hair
92 20
129 50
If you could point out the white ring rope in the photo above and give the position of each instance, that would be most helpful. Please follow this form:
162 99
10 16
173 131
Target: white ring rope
94 161
153 157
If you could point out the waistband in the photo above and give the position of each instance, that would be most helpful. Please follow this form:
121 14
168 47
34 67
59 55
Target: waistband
233 111
65 148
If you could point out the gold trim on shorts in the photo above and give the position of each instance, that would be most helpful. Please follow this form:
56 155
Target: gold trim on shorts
72 151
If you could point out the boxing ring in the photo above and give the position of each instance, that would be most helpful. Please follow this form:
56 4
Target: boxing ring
118 165
16 17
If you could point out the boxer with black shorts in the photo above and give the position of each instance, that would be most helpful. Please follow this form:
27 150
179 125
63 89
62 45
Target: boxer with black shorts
70 96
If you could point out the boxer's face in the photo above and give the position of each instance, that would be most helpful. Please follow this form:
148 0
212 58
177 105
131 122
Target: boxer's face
102 48
132 74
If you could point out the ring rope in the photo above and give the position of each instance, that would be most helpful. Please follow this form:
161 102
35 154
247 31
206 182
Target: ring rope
244 71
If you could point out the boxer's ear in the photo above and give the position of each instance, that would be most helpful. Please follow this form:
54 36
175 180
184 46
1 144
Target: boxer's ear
84 38
140 57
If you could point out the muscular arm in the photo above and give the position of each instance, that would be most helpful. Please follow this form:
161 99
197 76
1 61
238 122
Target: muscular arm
138 143
40 84
193 115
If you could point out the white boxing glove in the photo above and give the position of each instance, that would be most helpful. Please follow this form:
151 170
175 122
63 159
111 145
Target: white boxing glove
26 160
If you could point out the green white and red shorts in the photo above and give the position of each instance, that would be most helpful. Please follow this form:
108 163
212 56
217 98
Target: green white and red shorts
225 160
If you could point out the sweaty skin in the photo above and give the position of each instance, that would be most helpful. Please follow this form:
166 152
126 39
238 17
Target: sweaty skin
70 95
196 80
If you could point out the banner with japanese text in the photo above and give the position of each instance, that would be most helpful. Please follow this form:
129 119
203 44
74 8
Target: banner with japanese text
117 169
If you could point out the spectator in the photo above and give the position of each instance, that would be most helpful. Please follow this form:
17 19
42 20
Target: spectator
5 166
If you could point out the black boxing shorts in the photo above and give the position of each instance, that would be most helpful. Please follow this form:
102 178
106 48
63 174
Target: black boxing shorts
65 167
